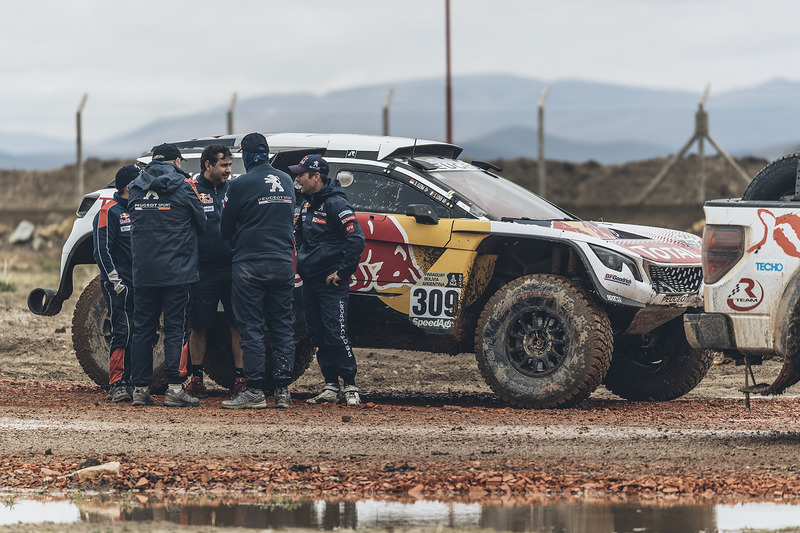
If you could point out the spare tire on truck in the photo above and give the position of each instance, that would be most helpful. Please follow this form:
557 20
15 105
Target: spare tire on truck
776 181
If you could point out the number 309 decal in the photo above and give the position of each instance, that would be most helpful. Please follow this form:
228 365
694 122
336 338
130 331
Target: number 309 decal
434 302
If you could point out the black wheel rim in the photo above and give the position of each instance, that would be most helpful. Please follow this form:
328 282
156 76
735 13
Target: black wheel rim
536 343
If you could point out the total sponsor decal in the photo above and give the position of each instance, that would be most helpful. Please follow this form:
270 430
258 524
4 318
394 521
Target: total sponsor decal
662 252
618 279
746 295
769 267
785 232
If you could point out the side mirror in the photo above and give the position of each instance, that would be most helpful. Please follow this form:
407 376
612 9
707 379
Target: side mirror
423 214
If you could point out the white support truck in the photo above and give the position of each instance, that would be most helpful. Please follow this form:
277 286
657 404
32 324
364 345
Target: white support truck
751 274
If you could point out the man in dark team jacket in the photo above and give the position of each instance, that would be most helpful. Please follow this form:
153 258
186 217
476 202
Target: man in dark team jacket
214 285
166 216
111 244
257 218
329 243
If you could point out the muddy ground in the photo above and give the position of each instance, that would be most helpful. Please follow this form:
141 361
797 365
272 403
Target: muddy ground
429 428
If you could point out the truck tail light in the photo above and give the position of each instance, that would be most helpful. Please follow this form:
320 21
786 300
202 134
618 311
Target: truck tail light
723 246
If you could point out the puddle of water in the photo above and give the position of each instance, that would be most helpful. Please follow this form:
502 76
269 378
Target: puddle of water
283 512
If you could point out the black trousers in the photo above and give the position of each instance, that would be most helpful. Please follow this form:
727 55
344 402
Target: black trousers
262 296
149 303
120 314
325 308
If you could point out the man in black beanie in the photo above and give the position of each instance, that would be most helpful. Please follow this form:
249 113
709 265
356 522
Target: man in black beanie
111 245
257 216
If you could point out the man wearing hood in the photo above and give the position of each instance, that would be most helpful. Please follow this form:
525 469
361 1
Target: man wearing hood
329 244
166 217
257 214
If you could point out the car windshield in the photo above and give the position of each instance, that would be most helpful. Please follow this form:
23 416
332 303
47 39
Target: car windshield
497 196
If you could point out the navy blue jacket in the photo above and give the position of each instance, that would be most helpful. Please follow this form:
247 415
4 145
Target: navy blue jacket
328 235
215 252
166 216
111 241
257 214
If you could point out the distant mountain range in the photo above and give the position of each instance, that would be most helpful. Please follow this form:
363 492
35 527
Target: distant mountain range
494 116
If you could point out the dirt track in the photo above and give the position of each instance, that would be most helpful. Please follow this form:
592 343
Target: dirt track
429 427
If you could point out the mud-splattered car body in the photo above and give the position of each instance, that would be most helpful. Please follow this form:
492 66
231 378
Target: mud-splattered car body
458 259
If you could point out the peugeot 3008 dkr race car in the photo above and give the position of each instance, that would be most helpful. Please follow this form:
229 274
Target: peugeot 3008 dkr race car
458 259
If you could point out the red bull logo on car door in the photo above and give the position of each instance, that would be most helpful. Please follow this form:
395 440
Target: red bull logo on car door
388 262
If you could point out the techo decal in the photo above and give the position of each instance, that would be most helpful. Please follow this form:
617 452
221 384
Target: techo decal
746 295
769 267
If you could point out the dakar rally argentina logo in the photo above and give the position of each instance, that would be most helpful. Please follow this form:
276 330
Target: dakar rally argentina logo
785 232
746 295
274 182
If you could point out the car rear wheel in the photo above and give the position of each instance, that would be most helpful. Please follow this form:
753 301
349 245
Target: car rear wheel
219 357
91 338
542 341
658 366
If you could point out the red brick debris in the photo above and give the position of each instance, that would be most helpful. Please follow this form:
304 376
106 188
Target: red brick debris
473 479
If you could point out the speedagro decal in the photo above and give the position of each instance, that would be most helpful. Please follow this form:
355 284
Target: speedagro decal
746 295
785 232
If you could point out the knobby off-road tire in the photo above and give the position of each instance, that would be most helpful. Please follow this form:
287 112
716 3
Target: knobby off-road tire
774 181
219 357
659 366
542 341
91 338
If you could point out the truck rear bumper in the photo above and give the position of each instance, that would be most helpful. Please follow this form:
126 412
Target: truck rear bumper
709 331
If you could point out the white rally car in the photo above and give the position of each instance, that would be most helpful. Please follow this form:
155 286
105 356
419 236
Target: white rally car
457 260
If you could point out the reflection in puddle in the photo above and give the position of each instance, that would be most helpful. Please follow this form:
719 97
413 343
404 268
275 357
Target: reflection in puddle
279 512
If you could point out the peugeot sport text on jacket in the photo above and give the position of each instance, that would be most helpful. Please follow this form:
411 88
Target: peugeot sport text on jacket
262 203
166 216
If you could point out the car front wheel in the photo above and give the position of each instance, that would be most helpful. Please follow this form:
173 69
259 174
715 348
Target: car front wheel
542 341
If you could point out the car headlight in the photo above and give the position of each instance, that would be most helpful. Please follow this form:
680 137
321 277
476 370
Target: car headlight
614 261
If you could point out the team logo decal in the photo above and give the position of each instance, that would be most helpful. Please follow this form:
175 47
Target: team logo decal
785 232
206 198
746 295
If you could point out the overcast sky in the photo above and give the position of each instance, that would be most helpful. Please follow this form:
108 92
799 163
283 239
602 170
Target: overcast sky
144 59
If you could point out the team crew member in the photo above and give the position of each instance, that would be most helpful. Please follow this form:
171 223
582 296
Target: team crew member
257 217
329 244
166 216
214 285
111 239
